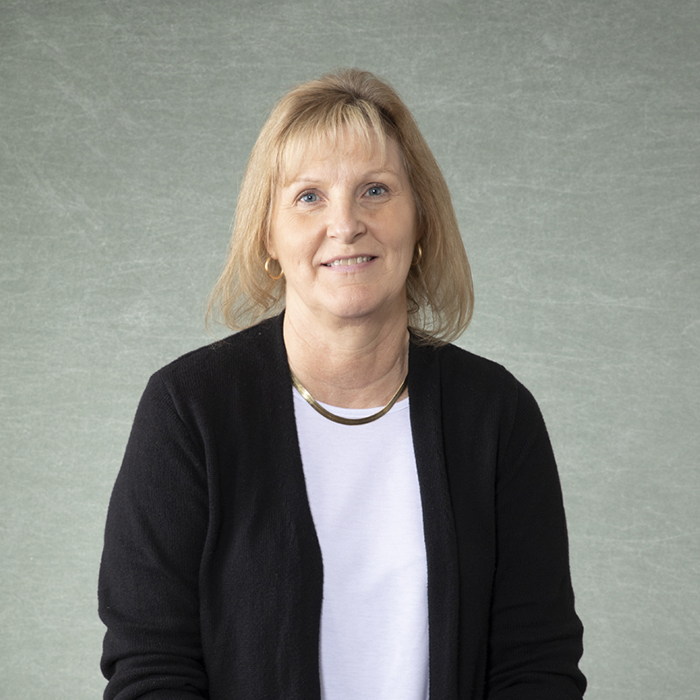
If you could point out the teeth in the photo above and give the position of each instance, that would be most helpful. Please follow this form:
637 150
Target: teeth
350 261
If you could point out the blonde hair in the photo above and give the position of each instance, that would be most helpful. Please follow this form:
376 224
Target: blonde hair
439 288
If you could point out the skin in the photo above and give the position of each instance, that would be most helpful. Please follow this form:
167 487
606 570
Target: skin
345 326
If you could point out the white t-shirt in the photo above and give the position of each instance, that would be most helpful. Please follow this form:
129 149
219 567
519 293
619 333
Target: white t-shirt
363 490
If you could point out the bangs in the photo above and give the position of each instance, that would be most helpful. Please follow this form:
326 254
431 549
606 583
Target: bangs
334 129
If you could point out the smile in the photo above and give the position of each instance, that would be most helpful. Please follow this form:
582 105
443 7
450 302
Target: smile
349 261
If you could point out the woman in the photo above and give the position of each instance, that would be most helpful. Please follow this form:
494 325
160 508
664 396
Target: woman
392 527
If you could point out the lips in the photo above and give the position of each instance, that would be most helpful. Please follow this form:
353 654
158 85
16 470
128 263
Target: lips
343 262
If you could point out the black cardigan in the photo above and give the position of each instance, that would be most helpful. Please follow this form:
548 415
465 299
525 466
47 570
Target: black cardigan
211 579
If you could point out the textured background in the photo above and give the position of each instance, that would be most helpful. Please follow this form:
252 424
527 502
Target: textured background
569 132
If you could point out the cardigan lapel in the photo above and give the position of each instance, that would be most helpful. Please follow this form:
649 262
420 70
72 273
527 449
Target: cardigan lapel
438 521
298 664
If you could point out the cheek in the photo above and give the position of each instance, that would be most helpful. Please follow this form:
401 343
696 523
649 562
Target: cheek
408 237
295 249
407 224
280 238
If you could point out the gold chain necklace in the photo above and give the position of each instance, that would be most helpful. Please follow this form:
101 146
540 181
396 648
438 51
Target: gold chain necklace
340 419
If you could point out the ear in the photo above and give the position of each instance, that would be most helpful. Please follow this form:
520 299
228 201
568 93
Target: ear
269 244
419 230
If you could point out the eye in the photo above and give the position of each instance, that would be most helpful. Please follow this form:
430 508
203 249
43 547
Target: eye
308 197
376 190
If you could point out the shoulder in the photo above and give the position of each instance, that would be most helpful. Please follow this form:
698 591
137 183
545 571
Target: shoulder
237 355
481 387
463 361
229 369
460 367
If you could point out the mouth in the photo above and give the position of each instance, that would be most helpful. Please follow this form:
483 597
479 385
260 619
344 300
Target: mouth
344 262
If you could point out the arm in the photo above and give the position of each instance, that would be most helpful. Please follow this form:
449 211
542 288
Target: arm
148 589
536 637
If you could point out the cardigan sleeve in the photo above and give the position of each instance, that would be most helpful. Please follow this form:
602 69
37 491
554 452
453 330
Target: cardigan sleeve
536 636
154 538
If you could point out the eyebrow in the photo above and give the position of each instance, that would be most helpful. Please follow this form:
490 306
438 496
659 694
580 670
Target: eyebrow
305 179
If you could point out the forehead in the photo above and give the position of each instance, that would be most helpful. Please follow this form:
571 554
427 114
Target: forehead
347 147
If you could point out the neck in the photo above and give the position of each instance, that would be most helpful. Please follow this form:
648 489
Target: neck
350 364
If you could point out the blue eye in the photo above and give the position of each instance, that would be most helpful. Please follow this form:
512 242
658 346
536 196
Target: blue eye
376 190
308 197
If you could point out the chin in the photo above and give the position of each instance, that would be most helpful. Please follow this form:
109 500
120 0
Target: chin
360 307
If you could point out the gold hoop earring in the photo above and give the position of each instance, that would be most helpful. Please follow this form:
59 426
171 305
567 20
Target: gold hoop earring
417 255
267 269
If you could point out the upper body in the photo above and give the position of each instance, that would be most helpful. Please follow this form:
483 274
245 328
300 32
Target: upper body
211 504
220 566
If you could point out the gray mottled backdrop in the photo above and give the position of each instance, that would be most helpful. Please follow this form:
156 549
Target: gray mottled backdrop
569 132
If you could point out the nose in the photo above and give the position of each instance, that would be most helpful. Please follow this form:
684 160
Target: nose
345 222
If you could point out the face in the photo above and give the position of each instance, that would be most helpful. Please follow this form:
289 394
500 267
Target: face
343 229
